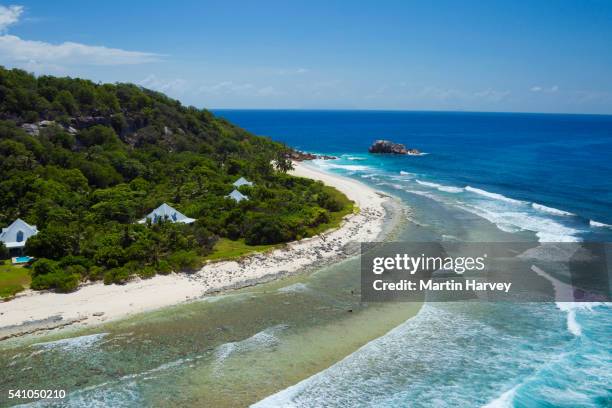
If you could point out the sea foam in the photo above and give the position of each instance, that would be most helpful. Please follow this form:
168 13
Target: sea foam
348 167
504 400
546 229
550 210
441 187
264 339
599 224
494 196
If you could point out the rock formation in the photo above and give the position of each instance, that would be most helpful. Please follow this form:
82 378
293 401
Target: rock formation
387 146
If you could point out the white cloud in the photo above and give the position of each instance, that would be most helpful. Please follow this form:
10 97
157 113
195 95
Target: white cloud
13 48
173 86
543 89
27 53
292 71
492 95
226 87
238 89
9 16
441 94
268 91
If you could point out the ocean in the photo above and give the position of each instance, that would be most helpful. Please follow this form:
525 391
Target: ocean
537 177
292 343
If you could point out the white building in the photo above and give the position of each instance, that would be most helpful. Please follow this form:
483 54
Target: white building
15 235
242 182
165 212
237 196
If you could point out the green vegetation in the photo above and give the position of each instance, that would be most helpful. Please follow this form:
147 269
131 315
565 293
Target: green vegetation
107 155
13 279
342 207
227 249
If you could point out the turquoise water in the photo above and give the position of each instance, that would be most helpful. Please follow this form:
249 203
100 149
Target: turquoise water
563 162
23 259
484 177
307 341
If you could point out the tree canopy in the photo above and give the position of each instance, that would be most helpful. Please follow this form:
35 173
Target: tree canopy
84 161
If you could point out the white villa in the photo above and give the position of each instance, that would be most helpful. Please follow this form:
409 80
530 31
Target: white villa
237 196
15 235
242 182
165 212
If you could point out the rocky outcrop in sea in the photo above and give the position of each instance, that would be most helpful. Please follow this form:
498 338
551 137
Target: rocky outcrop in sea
387 146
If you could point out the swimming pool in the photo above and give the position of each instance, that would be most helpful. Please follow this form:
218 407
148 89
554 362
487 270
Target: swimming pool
22 259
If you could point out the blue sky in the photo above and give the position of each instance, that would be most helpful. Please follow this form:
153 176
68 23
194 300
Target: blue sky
527 56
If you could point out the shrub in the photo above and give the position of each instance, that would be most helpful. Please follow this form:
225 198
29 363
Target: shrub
55 241
116 275
44 266
76 270
330 202
111 256
75 260
267 230
184 260
4 253
146 272
61 281
96 273
66 282
163 267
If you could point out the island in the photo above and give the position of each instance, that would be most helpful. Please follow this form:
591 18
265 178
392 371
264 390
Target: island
121 183
389 147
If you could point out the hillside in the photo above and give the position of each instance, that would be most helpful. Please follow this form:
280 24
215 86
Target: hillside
84 161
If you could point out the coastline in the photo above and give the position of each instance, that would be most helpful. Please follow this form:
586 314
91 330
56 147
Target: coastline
96 303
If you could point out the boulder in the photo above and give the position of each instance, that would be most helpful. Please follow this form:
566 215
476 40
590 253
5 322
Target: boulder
301 156
387 146
84 122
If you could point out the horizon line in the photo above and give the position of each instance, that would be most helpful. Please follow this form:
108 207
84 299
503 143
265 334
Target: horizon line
408 111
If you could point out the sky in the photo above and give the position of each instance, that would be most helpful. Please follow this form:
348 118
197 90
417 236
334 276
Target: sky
515 56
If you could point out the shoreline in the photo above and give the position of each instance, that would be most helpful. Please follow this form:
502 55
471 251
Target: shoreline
33 312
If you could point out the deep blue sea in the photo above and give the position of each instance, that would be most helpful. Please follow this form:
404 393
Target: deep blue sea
291 343
483 176
562 162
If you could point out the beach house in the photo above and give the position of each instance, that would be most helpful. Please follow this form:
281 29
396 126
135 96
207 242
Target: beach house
165 212
15 235
237 196
242 182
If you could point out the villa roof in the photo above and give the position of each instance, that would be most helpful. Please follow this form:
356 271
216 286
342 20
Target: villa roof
242 182
11 237
237 196
164 211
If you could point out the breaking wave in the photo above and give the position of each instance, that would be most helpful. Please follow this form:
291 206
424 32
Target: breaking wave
494 196
441 187
550 210
599 224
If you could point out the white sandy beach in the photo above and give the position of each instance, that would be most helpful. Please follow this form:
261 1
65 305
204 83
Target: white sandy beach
96 303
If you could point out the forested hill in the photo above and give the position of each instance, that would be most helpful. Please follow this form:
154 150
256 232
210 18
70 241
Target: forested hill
83 161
